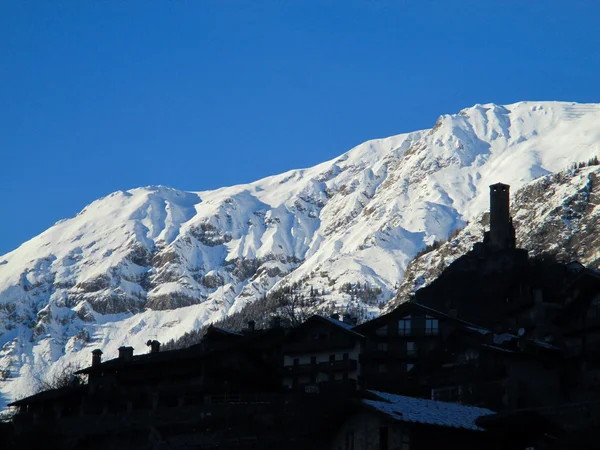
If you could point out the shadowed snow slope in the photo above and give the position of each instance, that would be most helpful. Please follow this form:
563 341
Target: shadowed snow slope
155 262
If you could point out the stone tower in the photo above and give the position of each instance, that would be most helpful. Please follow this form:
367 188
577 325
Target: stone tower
502 232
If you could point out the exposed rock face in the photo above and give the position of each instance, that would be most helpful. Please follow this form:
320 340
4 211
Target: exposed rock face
554 215
156 262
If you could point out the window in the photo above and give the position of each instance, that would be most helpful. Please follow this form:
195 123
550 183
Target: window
411 349
382 331
470 356
594 311
405 440
432 326
382 346
409 367
404 326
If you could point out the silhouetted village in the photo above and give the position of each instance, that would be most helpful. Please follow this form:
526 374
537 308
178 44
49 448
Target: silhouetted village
502 351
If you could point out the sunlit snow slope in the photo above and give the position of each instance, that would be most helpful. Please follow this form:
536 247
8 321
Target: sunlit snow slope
155 262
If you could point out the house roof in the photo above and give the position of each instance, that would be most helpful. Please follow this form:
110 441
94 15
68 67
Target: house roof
147 358
344 327
49 395
404 308
427 412
225 331
193 352
508 342
339 323
520 420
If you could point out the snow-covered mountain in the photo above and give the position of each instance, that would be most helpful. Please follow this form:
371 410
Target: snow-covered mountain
155 262
556 215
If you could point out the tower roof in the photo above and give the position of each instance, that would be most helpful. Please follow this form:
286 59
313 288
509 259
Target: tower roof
499 187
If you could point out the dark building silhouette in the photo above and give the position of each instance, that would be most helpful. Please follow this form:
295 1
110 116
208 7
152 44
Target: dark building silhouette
502 232
517 336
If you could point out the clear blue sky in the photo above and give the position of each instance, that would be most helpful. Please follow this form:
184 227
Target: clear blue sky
101 95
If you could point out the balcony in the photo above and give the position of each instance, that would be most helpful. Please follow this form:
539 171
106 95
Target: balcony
318 346
329 366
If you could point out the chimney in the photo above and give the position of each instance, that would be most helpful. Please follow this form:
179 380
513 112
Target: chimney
96 357
335 316
251 325
126 354
154 346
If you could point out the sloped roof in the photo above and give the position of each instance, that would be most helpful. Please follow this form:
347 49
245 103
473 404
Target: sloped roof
49 395
344 327
427 412
405 307
339 323
224 331
193 353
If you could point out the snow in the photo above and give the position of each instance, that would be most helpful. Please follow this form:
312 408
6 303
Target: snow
359 218
501 338
429 412
479 330
339 323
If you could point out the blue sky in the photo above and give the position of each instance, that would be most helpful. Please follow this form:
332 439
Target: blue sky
98 96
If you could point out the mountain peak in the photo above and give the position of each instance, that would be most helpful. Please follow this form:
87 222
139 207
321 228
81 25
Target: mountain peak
156 261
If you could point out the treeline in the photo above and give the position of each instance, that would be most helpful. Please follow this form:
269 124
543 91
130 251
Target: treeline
590 162
362 292
289 304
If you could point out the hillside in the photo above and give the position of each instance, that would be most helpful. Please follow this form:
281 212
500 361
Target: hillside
156 262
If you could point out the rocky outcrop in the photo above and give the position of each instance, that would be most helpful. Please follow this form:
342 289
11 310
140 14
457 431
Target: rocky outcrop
555 215
157 261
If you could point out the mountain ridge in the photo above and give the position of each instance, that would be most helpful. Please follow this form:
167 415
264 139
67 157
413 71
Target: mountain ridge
159 261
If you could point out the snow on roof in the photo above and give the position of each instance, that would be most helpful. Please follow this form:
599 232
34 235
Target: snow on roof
479 330
501 349
225 330
429 412
503 337
339 323
544 344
